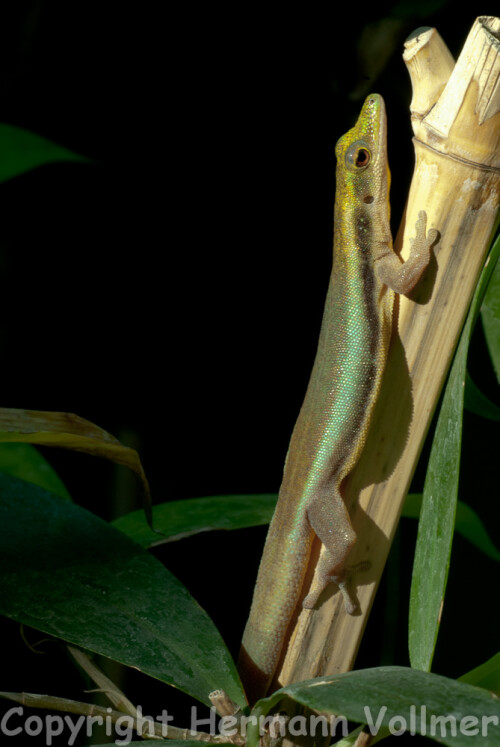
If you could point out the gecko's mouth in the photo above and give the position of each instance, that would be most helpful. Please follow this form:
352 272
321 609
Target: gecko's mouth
378 121
382 127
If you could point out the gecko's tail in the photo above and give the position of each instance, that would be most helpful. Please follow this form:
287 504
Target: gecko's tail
255 681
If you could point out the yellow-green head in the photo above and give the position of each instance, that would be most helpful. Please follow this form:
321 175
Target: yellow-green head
363 176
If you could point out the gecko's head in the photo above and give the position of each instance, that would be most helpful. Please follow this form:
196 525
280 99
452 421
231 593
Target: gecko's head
361 152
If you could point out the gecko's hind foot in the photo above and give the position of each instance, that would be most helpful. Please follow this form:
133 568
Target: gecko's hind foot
351 604
311 599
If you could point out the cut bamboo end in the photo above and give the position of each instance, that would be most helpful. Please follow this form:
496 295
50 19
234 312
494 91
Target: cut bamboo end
457 182
463 121
430 64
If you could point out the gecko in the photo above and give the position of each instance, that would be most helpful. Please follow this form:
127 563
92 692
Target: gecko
331 428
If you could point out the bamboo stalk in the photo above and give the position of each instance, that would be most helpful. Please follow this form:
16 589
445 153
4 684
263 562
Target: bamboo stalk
146 727
107 686
456 121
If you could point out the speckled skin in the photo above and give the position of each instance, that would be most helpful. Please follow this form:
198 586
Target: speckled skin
332 425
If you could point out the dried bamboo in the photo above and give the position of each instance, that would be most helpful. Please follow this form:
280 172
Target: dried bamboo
456 122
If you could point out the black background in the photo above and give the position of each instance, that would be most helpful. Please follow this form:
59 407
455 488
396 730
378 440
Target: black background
171 291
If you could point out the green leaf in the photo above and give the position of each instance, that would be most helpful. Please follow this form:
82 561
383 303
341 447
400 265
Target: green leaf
68 431
170 742
350 739
467 522
25 462
179 519
476 402
72 575
398 697
22 151
487 675
437 518
490 317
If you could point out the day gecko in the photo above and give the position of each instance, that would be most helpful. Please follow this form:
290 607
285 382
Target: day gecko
331 428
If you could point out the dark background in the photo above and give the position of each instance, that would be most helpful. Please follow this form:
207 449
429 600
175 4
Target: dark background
171 291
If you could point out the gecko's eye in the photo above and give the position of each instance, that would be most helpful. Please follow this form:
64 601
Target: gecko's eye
358 156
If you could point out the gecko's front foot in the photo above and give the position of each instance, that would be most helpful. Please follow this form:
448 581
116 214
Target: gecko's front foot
423 239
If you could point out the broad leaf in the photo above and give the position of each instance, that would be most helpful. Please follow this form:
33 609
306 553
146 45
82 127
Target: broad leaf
25 462
437 518
72 575
21 151
68 431
178 519
404 699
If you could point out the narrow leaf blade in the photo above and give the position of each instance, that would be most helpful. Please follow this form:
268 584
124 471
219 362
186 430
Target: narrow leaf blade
486 675
437 518
178 519
467 523
478 403
490 317
22 151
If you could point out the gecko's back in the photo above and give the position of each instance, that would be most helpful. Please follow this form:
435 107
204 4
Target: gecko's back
332 424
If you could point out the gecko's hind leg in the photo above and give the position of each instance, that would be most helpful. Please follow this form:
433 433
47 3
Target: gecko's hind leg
330 521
